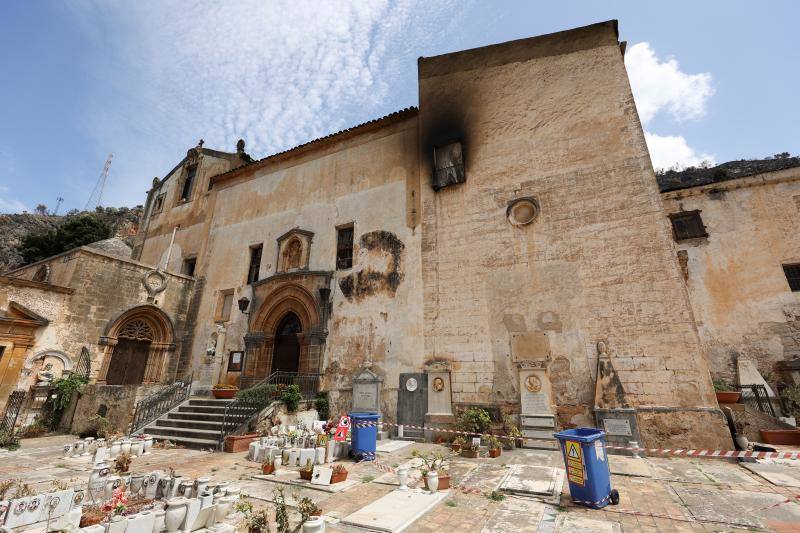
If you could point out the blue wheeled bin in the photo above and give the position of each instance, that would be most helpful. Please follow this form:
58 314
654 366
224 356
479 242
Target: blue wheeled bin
584 452
364 435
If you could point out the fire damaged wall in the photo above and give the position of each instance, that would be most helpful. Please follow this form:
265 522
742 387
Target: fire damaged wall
553 118
381 254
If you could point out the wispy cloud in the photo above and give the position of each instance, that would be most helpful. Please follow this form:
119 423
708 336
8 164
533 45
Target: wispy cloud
274 73
660 87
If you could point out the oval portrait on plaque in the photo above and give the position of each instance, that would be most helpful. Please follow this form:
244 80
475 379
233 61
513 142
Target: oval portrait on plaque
411 384
533 384
438 384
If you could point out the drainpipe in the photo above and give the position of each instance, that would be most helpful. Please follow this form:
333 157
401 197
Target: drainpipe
171 242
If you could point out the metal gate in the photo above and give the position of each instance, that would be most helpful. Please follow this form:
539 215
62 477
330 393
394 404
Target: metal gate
13 407
412 402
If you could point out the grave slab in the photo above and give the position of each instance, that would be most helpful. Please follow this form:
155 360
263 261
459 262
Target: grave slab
575 523
777 474
390 446
396 511
336 487
542 482
628 466
740 508
507 518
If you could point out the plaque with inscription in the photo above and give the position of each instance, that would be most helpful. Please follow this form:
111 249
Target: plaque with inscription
617 426
366 391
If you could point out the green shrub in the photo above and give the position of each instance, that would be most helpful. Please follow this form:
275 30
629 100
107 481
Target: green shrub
65 389
36 429
9 441
474 420
98 427
260 394
291 396
721 386
322 405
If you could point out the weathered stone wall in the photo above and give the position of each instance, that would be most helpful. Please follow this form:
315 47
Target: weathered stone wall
376 305
553 118
119 401
741 299
103 287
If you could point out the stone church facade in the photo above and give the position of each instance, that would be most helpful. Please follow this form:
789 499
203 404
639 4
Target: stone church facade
502 245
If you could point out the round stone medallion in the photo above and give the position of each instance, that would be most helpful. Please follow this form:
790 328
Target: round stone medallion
411 384
533 384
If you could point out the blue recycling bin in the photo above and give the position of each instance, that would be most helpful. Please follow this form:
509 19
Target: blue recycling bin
584 452
364 435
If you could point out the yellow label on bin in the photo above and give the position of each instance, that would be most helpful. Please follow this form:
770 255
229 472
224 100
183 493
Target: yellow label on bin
575 468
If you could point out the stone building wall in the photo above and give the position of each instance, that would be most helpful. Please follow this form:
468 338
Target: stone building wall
740 296
553 118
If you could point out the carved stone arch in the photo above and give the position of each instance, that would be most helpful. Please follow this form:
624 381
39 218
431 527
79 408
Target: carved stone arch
65 359
148 334
284 300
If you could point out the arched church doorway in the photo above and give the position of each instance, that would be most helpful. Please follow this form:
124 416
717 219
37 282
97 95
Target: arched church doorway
137 344
286 357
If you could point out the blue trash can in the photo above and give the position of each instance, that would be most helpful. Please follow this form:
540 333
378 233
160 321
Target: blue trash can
584 451
364 435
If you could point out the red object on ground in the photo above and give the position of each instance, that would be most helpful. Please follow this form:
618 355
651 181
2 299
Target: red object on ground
239 443
342 429
780 436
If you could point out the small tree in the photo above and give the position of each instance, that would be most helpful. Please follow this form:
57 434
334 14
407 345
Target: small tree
41 209
76 231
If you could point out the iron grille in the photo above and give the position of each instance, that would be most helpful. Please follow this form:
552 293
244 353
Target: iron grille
158 403
792 273
84 366
757 397
13 407
687 225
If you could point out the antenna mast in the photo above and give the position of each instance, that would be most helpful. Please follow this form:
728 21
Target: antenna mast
58 205
97 193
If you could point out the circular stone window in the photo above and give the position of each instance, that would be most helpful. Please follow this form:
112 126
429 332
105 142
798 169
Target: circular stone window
522 211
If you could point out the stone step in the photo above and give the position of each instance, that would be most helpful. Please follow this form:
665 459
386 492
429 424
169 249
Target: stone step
211 402
210 409
195 423
173 433
203 417
190 442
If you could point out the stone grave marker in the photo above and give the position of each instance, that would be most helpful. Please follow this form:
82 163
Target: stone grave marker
367 391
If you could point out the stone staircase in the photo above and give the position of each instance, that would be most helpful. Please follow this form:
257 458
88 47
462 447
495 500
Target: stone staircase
195 423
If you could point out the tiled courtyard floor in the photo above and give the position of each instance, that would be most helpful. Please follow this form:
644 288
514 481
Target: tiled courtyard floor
657 494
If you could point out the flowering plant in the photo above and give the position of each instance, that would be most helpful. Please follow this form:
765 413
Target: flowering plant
117 504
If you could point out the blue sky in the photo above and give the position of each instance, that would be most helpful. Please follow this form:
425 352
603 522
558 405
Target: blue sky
145 80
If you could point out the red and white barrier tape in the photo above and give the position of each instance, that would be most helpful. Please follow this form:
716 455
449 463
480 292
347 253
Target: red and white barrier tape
679 452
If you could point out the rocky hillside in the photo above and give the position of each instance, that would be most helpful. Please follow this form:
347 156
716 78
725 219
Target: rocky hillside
124 220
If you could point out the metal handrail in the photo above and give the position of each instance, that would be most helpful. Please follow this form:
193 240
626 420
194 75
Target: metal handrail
757 397
13 407
158 403
238 414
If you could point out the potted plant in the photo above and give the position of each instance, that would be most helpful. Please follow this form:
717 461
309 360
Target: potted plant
307 507
239 443
458 443
725 393
339 474
122 463
268 466
470 451
513 436
223 391
307 471
495 447
434 463
91 515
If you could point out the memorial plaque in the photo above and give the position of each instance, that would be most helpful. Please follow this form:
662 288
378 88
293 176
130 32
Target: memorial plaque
367 392
617 426
535 392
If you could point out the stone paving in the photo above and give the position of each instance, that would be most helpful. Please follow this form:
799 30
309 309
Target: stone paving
684 494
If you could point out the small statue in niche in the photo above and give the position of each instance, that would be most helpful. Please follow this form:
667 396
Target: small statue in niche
46 375
291 256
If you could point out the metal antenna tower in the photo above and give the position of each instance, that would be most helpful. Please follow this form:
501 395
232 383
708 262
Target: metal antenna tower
97 193
58 205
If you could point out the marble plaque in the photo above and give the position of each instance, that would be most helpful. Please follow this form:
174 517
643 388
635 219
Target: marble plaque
617 426
439 397
367 391
535 392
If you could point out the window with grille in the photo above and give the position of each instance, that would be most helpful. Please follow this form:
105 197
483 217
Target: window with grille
792 273
159 203
344 248
255 263
188 183
687 225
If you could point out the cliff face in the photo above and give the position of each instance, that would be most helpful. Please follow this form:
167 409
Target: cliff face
124 221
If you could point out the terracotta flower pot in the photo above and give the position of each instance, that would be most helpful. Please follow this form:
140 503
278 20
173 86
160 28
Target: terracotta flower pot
781 436
494 452
306 474
444 481
267 468
728 396
456 448
224 394
337 477
470 454
239 443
